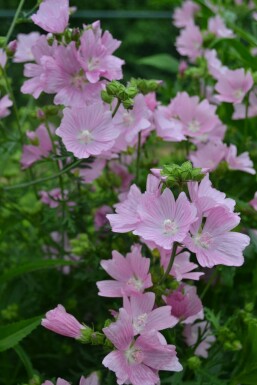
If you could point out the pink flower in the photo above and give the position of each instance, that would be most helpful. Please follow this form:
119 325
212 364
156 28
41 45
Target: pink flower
214 243
186 306
35 71
182 268
92 379
209 155
122 172
164 220
217 26
131 274
189 42
92 171
241 162
143 318
54 197
215 67
64 77
182 16
151 101
201 330
25 42
100 219
206 197
52 15
137 361
233 86
60 381
87 131
197 118
126 217
240 109
253 202
95 55
61 322
5 103
167 126
40 147
3 58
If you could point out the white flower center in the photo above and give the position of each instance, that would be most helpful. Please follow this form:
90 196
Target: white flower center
239 93
169 227
93 63
135 283
78 80
140 322
203 240
134 355
194 126
85 137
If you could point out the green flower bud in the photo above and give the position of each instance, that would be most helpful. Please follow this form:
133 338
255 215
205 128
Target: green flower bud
86 335
194 362
128 103
97 338
113 88
106 97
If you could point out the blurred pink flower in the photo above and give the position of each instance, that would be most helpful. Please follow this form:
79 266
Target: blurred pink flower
182 268
217 26
3 58
209 155
215 67
240 109
253 202
24 43
185 14
189 42
92 171
241 162
233 86
100 219
201 330
92 379
52 15
5 103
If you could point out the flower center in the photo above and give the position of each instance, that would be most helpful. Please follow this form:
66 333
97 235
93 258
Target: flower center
239 93
203 240
85 137
134 355
140 322
169 227
93 63
128 119
78 80
194 126
135 284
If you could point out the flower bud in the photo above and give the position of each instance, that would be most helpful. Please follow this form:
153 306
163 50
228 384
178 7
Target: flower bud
194 362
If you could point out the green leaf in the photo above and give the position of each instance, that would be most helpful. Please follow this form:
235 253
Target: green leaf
161 61
33 266
12 334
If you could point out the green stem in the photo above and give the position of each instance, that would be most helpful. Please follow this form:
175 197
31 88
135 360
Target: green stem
246 116
116 108
10 31
138 156
27 184
172 258
25 360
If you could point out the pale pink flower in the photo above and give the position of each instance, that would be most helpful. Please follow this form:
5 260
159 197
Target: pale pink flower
240 109
3 58
144 317
54 197
253 202
39 148
137 361
189 42
61 322
209 155
126 217
87 131
217 26
168 127
95 55
241 162
100 219
182 16
215 67
35 71
92 379
131 274
182 268
201 330
197 117
64 77
164 220
214 243
60 381
233 86
206 197
52 15
151 101
92 171
5 103
25 42
186 306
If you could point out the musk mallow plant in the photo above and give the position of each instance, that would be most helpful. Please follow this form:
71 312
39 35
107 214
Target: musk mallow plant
145 201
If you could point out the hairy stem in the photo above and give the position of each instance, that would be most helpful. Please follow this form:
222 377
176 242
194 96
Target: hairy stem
172 258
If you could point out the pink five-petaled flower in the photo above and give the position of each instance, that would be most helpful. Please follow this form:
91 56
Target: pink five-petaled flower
143 318
185 14
23 51
217 26
233 85
137 361
182 268
52 15
186 306
209 155
131 274
87 131
214 243
199 330
61 322
5 103
241 162
164 220
189 42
